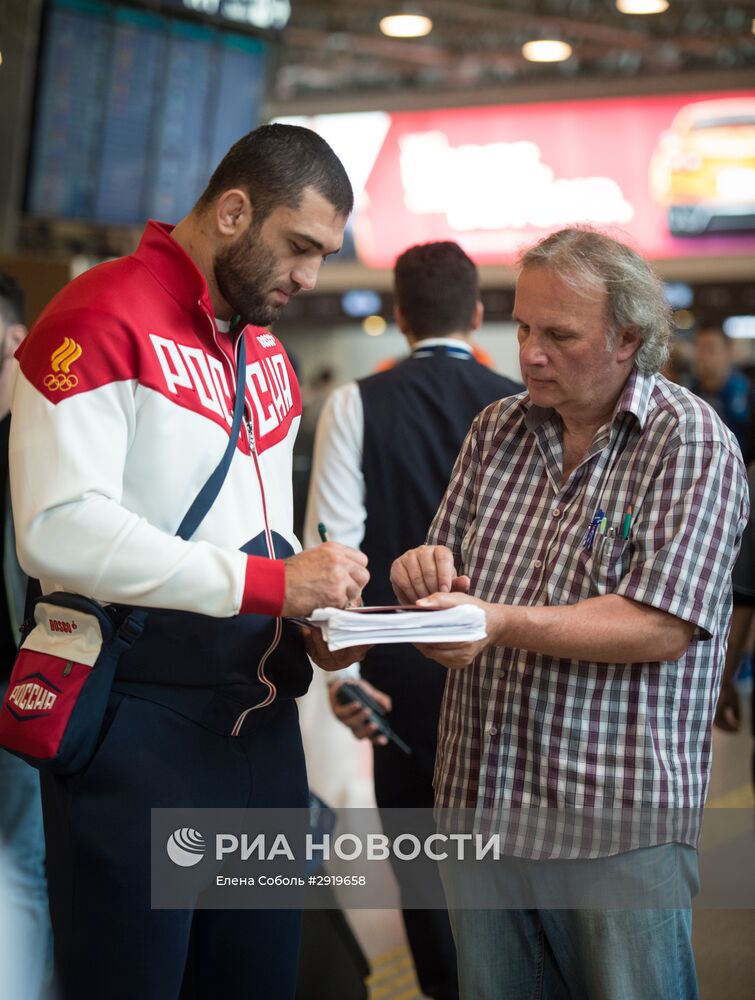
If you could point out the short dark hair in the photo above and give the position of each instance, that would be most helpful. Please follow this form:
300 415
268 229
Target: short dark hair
11 299
274 164
437 289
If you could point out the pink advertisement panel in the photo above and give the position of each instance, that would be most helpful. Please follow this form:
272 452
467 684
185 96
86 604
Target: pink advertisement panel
675 174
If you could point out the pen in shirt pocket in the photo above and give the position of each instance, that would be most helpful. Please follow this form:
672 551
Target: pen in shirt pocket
623 529
599 526
627 522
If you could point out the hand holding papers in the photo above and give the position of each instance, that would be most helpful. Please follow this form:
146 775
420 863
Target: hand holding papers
403 623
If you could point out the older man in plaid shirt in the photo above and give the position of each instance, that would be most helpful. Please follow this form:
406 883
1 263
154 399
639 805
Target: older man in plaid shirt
595 518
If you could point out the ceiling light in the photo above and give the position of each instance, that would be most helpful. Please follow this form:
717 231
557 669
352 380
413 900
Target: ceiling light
684 319
739 327
546 50
642 6
678 294
374 326
360 302
406 25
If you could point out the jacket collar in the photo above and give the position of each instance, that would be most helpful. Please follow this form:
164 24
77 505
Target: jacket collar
169 263
453 343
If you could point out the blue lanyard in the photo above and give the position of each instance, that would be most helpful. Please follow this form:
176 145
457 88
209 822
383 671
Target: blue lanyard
463 353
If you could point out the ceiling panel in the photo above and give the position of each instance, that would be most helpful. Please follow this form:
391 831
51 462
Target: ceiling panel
333 49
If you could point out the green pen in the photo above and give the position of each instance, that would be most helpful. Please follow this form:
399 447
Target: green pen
322 532
603 526
627 522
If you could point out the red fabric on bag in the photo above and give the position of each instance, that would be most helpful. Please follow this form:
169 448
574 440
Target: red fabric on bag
39 701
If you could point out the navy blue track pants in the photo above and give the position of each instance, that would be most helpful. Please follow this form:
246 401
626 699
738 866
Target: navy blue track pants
108 942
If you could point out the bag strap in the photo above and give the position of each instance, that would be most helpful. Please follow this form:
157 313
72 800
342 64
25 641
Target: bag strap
131 627
209 492
33 591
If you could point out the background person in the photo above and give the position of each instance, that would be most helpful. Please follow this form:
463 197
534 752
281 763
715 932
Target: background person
723 386
384 450
121 411
596 520
728 717
21 833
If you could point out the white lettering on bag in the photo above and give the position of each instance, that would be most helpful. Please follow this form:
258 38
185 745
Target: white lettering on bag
32 697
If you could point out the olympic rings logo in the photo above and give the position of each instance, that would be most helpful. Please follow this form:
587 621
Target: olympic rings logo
60 378
53 382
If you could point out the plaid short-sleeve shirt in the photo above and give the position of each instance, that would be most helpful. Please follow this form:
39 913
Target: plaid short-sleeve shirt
532 739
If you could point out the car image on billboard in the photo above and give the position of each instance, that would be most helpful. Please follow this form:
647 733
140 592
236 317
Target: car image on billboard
703 168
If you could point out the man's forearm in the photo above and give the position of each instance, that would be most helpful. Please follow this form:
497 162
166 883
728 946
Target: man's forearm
609 629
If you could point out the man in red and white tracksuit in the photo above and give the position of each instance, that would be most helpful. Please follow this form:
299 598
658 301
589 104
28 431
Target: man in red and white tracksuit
121 410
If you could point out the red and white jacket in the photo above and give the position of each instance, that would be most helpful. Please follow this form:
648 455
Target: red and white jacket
121 410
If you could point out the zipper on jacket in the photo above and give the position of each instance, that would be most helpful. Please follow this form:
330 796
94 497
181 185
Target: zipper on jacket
232 368
261 676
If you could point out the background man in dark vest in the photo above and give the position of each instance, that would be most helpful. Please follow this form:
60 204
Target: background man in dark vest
384 451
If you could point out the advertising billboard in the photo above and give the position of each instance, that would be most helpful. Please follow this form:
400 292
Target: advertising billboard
675 174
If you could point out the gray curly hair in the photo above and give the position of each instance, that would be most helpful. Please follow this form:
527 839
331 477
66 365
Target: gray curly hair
591 263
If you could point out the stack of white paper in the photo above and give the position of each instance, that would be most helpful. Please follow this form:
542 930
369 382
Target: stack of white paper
365 626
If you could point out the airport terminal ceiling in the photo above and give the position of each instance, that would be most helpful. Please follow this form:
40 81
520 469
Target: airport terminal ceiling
333 50
326 56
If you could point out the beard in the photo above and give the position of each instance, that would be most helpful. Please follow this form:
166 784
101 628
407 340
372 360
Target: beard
245 275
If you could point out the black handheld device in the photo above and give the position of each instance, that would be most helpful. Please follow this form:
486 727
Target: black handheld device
349 692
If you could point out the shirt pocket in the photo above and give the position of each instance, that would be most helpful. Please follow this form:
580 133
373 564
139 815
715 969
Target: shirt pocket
607 564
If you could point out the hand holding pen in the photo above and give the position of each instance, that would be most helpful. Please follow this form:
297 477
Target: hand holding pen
322 531
350 567
329 575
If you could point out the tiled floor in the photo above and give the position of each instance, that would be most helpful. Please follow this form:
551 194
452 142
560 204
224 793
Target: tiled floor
723 939
340 772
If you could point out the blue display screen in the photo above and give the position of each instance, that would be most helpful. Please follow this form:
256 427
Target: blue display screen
133 112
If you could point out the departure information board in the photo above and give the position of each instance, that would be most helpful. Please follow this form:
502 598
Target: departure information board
134 110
